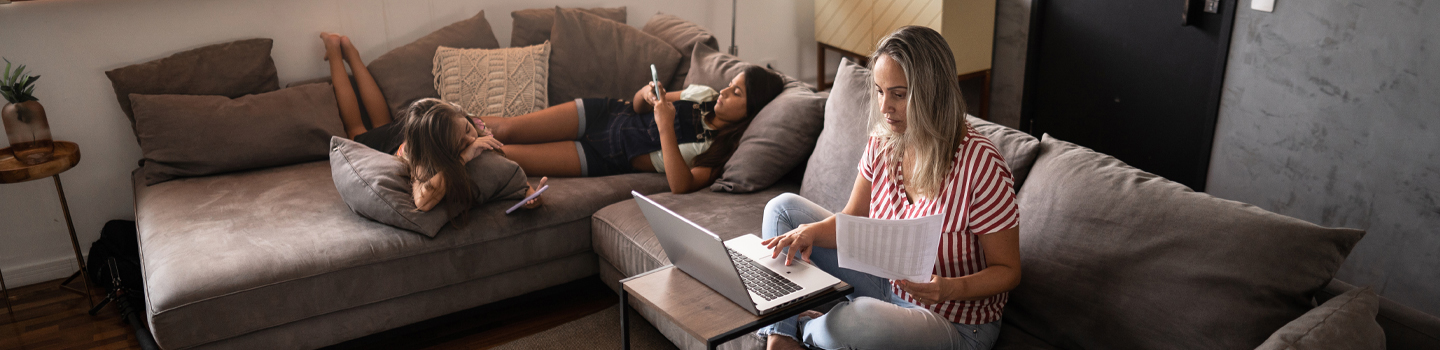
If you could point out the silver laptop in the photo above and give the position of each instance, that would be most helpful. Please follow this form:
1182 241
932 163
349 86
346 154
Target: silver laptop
741 268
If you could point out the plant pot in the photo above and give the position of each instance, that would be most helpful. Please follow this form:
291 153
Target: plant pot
28 131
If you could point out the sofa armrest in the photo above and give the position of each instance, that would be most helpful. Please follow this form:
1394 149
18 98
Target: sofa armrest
1405 328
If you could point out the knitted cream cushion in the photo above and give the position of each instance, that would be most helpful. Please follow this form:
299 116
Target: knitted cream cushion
497 82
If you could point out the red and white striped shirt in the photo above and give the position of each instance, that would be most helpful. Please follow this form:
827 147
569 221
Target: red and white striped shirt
978 198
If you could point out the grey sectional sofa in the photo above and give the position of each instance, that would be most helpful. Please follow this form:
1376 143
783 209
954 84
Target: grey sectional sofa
626 246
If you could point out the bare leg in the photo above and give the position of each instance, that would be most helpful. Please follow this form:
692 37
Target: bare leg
557 159
369 90
344 94
556 123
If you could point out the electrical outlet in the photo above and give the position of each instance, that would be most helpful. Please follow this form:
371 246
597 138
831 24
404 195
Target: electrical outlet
1263 5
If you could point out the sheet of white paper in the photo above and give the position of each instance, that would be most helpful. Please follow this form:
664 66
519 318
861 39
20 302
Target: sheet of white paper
894 249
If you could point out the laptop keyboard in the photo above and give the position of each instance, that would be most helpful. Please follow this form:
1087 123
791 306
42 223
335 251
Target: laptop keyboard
761 280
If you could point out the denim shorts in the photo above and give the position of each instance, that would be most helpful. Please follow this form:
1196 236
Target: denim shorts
612 133
386 138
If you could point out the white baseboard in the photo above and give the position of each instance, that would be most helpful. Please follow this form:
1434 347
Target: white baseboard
39 272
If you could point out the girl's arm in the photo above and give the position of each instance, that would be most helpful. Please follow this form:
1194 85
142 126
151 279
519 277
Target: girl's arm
1002 273
428 193
682 178
642 99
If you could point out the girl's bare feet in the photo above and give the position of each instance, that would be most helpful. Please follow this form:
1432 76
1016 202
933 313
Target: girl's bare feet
333 48
349 49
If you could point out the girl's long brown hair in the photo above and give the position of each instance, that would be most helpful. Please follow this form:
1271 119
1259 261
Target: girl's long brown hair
434 147
761 86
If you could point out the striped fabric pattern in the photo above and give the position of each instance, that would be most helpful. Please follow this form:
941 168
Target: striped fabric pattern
978 198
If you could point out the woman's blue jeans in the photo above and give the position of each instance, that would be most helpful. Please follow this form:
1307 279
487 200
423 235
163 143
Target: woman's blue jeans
873 318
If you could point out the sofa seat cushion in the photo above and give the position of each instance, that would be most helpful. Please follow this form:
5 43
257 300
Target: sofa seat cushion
1013 338
623 237
232 254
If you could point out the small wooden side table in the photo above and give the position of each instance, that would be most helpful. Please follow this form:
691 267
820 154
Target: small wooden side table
705 314
67 154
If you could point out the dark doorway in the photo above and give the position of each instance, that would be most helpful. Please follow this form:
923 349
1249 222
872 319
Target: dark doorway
1130 79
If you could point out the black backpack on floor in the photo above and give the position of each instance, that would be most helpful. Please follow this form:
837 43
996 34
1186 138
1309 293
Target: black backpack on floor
118 240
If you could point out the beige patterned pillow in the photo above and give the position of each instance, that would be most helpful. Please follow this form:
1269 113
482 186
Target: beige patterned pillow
498 82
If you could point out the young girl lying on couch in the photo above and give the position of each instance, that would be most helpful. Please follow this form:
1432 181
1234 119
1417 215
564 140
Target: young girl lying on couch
435 138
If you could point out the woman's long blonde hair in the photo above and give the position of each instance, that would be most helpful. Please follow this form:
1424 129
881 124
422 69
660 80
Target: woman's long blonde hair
935 117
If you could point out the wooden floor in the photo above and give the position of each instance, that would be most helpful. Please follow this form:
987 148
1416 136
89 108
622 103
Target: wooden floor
47 317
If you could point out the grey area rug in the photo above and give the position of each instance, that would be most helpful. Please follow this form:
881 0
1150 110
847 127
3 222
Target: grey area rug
600 330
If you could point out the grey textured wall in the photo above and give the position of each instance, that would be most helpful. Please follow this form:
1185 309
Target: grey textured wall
1331 114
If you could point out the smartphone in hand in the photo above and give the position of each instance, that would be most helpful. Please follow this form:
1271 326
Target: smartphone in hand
655 78
527 199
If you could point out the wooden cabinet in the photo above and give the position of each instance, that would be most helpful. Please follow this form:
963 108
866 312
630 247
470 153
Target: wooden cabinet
853 27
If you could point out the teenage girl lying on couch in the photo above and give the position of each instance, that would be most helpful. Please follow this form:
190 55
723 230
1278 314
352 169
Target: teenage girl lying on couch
435 138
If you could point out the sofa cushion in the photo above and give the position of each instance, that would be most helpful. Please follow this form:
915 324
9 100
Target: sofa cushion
1405 327
1018 148
1345 322
376 185
623 237
1012 338
192 135
710 67
277 246
831 170
230 69
404 74
683 35
592 57
533 26
780 137
498 82
1117 258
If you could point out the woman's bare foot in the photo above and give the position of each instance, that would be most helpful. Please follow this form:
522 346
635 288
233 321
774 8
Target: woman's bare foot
332 45
349 49
780 342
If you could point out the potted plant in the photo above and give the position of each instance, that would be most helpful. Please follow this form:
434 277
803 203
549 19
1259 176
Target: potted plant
24 117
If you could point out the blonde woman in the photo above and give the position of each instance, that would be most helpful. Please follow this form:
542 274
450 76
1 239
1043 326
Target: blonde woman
921 159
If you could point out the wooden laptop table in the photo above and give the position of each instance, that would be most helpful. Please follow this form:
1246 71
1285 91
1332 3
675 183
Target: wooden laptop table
700 311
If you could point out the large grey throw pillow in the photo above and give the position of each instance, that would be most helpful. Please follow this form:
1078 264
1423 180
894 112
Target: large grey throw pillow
713 68
1117 258
404 74
230 69
185 135
533 26
376 185
595 57
1346 322
779 138
683 35
1018 148
830 173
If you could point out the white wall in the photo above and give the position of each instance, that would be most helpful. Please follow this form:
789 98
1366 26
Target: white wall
71 43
